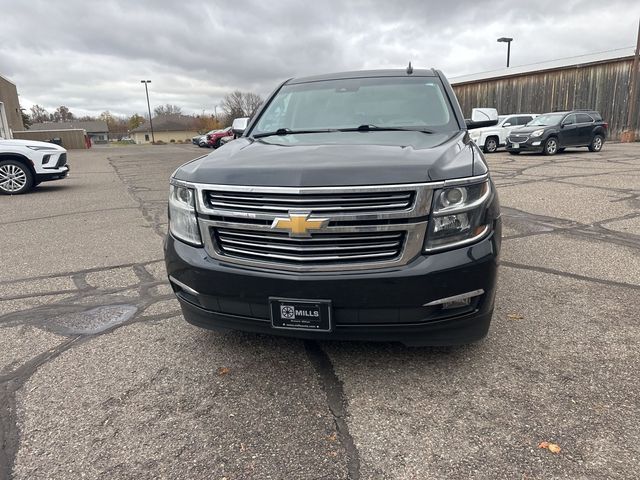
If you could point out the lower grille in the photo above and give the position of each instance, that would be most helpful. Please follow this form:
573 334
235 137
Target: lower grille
62 161
322 248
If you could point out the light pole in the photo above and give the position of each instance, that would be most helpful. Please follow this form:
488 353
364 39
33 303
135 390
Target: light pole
146 89
508 41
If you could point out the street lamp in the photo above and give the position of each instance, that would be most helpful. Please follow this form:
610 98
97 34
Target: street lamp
146 89
508 41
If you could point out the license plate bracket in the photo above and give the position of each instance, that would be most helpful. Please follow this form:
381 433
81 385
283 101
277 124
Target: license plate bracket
300 314
515 145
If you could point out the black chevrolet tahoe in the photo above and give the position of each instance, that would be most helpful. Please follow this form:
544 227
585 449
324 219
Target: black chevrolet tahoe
551 133
352 206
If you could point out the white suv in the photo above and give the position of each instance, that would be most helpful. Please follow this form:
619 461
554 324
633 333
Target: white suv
26 163
490 138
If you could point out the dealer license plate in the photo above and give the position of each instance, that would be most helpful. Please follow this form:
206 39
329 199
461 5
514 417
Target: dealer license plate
515 145
314 315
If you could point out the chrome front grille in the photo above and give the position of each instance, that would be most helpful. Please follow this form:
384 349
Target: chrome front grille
320 249
326 203
518 138
366 227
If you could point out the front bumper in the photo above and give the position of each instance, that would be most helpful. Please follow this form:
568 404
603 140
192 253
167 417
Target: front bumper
530 145
377 305
57 174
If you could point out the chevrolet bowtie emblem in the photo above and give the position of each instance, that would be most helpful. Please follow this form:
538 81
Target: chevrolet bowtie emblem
299 224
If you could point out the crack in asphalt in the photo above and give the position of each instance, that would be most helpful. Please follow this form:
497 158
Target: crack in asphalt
43 317
337 402
9 385
69 214
575 276
593 231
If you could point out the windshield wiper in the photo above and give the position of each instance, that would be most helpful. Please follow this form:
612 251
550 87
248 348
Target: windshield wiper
288 131
367 127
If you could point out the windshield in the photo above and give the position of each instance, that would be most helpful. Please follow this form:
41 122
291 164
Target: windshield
547 119
384 102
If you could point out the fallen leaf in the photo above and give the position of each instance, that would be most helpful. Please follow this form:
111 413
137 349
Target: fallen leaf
552 447
333 437
515 316
223 371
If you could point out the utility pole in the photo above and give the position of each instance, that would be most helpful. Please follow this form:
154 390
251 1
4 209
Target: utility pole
508 41
146 89
632 114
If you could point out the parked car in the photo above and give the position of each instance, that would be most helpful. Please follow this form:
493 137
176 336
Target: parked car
213 139
491 138
201 140
368 214
551 133
26 163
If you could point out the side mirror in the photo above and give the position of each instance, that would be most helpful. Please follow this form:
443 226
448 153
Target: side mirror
239 125
506 124
484 115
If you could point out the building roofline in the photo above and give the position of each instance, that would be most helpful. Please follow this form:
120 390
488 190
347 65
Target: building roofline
6 79
549 65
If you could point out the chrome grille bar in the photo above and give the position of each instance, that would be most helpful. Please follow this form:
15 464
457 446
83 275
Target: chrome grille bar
267 202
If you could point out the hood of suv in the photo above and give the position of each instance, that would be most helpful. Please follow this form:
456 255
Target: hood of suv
334 159
528 130
31 143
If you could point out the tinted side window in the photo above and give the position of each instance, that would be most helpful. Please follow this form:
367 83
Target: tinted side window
524 120
512 120
569 120
584 118
597 116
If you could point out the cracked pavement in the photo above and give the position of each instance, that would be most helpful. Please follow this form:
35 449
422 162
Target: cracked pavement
100 377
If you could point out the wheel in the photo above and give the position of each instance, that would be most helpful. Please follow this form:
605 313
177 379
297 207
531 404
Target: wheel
15 178
596 143
550 146
216 144
560 150
490 145
514 152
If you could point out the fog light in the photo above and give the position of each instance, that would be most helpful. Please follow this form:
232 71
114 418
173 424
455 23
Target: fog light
456 301
535 144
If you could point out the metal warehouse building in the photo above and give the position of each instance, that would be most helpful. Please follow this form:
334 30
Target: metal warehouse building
10 114
598 81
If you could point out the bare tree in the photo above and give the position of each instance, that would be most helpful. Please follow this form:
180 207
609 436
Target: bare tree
62 114
39 114
167 109
240 104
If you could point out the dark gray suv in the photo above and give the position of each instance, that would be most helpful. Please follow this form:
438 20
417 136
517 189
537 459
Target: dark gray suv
353 206
551 133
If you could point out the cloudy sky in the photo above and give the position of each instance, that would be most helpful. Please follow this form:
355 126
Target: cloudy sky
91 55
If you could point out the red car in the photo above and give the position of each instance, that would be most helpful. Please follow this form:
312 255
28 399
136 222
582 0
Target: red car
213 139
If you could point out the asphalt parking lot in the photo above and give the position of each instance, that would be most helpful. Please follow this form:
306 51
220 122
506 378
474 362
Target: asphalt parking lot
101 378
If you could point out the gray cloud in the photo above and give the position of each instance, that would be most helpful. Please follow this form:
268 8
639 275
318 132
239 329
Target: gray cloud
91 55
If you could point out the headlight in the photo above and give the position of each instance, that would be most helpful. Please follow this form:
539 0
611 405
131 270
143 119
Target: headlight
538 133
458 216
183 223
38 147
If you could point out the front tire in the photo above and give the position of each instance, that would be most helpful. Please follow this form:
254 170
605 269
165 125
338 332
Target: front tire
490 145
15 178
550 146
596 143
